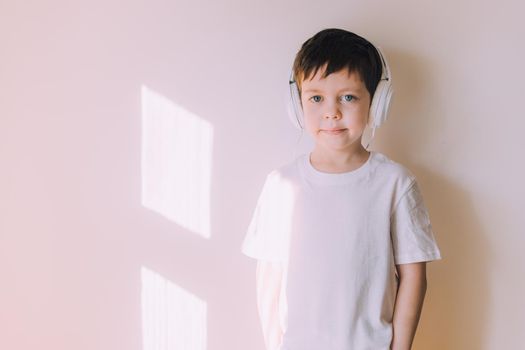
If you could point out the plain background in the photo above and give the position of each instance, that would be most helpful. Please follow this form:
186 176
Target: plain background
75 237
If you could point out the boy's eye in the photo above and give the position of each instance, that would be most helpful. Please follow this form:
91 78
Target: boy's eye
346 98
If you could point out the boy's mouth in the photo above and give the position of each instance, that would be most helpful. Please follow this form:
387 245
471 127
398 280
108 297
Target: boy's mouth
333 131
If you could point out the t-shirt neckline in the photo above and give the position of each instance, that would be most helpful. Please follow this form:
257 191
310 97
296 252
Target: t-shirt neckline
324 178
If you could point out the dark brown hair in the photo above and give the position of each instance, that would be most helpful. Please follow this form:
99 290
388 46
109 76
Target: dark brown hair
338 49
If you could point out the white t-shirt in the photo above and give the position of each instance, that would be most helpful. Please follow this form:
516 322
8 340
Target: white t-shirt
339 237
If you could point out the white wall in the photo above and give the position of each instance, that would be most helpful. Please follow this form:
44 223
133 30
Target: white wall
87 263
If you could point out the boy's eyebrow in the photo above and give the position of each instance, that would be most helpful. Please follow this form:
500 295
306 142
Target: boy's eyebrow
341 90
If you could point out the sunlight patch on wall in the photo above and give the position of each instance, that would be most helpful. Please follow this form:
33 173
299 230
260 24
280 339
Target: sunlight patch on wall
172 318
176 162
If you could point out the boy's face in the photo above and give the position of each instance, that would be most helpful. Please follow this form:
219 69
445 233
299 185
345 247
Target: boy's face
335 109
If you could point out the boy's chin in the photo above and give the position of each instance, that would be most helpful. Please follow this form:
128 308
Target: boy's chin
349 147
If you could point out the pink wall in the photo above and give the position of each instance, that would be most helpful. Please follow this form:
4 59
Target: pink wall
110 238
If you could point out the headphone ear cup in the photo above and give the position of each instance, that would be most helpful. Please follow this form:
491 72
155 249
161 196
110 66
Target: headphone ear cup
292 115
380 103
295 112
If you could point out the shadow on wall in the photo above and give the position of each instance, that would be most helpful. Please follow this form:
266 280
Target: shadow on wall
455 312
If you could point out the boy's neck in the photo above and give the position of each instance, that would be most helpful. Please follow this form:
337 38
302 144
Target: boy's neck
338 161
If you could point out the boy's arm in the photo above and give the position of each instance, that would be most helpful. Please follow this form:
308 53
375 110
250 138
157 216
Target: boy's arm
409 303
268 278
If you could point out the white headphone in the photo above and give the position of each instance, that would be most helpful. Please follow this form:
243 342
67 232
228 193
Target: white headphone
378 108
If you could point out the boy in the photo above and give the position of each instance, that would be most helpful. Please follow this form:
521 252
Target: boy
341 234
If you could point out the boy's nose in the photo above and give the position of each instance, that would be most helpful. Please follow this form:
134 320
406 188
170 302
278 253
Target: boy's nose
332 113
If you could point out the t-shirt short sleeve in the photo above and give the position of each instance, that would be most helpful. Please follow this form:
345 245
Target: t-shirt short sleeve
411 231
265 236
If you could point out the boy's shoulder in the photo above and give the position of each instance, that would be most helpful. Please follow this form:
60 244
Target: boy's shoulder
288 169
389 167
388 173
